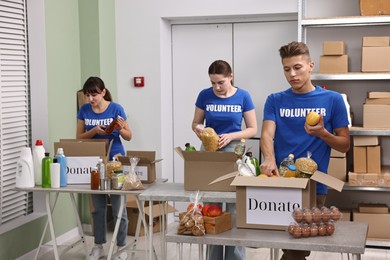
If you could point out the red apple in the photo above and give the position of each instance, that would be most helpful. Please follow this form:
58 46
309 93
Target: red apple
205 209
191 206
214 210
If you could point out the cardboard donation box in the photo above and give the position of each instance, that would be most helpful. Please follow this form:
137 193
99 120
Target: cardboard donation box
82 155
133 214
201 168
146 167
268 203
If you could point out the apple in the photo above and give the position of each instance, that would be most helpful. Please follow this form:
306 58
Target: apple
191 206
205 209
313 118
214 210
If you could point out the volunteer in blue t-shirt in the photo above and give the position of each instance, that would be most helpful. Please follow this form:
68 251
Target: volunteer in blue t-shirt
285 129
223 107
93 119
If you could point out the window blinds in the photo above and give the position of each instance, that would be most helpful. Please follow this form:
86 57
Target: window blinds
14 102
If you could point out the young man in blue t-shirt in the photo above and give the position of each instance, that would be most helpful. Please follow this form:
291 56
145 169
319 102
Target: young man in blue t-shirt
285 129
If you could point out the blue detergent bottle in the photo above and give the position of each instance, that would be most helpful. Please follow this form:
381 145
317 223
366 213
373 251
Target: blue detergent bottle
62 160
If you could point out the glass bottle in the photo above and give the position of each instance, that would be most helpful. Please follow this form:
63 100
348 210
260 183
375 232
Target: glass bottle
95 179
239 149
287 166
46 161
113 125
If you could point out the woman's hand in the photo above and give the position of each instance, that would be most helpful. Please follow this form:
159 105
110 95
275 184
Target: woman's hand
121 122
224 140
100 130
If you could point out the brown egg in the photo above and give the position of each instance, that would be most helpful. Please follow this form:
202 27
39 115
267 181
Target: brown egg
290 228
313 230
335 213
307 216
297 233
317 215
330 228
298 215
325 214
306 230
322 229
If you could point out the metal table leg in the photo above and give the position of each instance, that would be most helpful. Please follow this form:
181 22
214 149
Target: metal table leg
51 226
80 228
118 221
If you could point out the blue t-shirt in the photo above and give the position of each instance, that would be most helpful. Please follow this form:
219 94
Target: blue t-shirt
288 110
224 114
92 119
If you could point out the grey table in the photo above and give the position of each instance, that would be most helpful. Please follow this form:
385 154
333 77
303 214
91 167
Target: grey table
83 189
349 237
165 192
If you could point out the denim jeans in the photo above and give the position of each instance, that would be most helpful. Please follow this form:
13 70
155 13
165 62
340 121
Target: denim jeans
100 222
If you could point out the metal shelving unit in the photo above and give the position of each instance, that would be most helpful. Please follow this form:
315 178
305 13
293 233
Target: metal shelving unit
351 76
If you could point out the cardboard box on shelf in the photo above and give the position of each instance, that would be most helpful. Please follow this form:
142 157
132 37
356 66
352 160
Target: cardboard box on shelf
338 168
334 64
201 168
379 101
146 167
374 7
362 140
374 159
268 203
337 154
346 215
82 154
333 48
360 159
133 213
373 208
355 179
376 116
216 225
380 41
378 94
371 179
378 227
376 59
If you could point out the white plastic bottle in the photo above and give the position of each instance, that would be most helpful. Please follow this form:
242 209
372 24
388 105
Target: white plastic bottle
55 174
38 155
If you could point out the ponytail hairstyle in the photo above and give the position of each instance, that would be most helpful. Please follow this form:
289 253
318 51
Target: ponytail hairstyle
96 85
221 67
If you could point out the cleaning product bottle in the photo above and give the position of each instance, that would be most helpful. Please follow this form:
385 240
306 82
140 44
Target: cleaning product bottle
25 169
55 173
38 154
62 160
46 161
287 166
254 161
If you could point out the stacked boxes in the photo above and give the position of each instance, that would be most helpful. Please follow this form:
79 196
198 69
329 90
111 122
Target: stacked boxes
338 165
334 59
377 216
376 54
376 110
374 7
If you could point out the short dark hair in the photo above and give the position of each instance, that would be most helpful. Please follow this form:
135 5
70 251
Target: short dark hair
294 49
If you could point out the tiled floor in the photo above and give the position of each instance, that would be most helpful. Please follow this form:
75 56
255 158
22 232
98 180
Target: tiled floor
191 252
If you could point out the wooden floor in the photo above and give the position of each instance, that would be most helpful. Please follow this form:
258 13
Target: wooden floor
191 252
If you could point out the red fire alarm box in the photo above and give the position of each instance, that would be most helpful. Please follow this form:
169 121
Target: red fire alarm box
139 81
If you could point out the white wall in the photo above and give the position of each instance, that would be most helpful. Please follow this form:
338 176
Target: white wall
143 49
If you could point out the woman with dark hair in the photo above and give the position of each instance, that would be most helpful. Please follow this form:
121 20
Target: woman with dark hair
223 107
93 119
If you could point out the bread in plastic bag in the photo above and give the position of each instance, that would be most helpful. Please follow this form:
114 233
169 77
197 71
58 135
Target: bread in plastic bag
132 181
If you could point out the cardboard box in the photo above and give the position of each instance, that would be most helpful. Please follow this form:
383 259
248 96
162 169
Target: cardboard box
376 94
346 215
374 159
376 41
355 179
268 203
216 225
82 154
133 213
376 116
146 167
360 159
376 59
374 7
365 140
373 208
201 168
378 224
338 168
334 64
337 154
371 179
379 101
333 48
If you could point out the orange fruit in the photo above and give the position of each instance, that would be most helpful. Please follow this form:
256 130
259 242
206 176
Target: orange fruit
263 175
312 118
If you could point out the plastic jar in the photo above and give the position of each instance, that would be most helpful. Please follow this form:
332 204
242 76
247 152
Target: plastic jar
117 180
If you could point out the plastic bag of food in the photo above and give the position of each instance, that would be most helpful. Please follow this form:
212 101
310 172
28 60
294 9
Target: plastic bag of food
132 181
113 166
305 166
210 139
191 222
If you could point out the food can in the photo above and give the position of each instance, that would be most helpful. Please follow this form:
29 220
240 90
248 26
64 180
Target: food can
117 180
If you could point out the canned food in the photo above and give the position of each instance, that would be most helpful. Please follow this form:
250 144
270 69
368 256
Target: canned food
117 180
